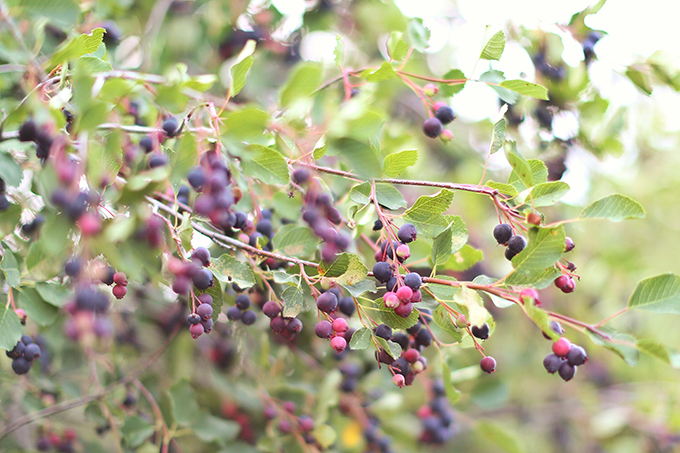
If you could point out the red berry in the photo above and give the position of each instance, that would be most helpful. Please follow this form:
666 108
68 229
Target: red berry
119 278
565 283
404 294
561 347
411 355
340 325
404 310
339 344
488 364
119 291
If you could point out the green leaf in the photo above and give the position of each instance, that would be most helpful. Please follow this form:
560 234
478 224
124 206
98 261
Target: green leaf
10 267
464 259
443 292
77 47
325 435
498 137
392 348
228 269
217 295
537 279
506 189
544 248
519 165
60 12
538 171
493 50
247 125
500 436
396 163
305 79
240 70
395 321
10 171
387 195
10 326
184 159
426 212
418 34
268 165
360 156
658 294
184 404
136 430
493 79
468 298
339 50
496 300
320 148
348 269
443 319
361 339
539 317
658 350
295 240
615 207
209 428
451 393
548 193
94 64
620 344
358 289
384 72
640 79
11 217
526 88
54 293
105 160
397 48
441 247
186 231
36 308
293 301
448 90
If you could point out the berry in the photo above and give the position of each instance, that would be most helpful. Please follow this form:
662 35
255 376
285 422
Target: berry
271 309
205 311
119 291
509 254
234 313
276 324
411 355
391 284
294 326
413 281
552 363
340 325
306 424
193 318
404 293
565 284
346 306
338 344
407 233
488 364
170 127
21 365
423 338
555 327
207 325
430 89
181 285
404 310
481 332
377 225
202 255
446 136
576 355
90 224
196 330
323 329
17 351
568 244
327 302
4 202
158 160
566 371
399 380
31 351
445 114
264 227
401 339
383 331
249 317
401 366
391 300
417 297
516 244
146 143
432 127
205 299
502 233
243 302
197 178
382 271
561 347
28 131
461 321
301 176
530 293
72 267
403 252
203 279
119 278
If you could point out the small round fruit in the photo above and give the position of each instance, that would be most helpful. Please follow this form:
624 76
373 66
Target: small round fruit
383 331
391 300
430 89
146 143
481 332
407 233
31 352
411 355
417 297
158 160
445 114
340 325
202 255
249 317
271 309
567 371
488 364
346 306
509 254
294 326
205 299
561 347
529 293
119 278
576 355
404 310
205 311
234 313
517 243
323 329
404 293
461 321
338 344
170 127
552 363
119 291
432 127
242 302
196 330
72 267
28 131
301 176
403 252
193 318
21 365
413 281
327 302
502 233
565 284
382 271
568 244
203 279
399 380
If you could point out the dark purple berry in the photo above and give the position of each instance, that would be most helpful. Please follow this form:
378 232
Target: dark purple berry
241 220
382 271
509 254
407 233
389 248
502 233
323 329
445 114
21 365
201 254
146 143
277 324
4 202
234 313
26 340
205 299
481 332
576 355
203 279
264 227
566 370
401 339
28 131
254 239
432 127
158 160
383 331
327 302
377 225
205 311
197 178
423 338
552 363
301 176
346 306
193 319
488 364
294 326
391 284
17 351
31 352
401 366
242 302
207 325
72 267
516 243
170 127
271 309
249 317
413 281
555 327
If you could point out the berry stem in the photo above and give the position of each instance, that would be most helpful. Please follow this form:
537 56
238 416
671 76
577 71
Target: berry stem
608 318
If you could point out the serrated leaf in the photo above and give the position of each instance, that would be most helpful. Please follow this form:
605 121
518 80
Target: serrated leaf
105 160
538 279
136 430
505 189
247 124
468 298
228 269
493 50
544 248
450 89
621 344
293 301
358 289
464 259
348 269
397 48
77 47
305 79
54 293
519 165
498 136
325 435
441 247
659 294
295 240
10 171
384 72
94 64
359 156
392 348
615 208
387 195
10 267
267 165
502 437
184 404
426 212
658 350
548 193
539 175
395 321
496 300
361 339
640 79
418 34
10 326
451 393
396 163
494 79
444 320
240 70
184 159
526 88
443 292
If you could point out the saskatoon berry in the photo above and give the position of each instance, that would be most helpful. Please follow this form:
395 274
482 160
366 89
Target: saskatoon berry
407 233
306 423
243 302
432 127
488 364
401 339
417 297
323 329
21 365
568 244
401 366
207 325
277 324
502 233
249 317
565 283
201 254
391 284
170 127
555 327
234 314
340 325
196 330
509 254
254 239
301 176
399 380
552 363
4 202
404 293
391 300
241 221
561 347
264 226
383 331
271 309
203 279
28 131
411 355
404 310
266 214
32 351
193 318
413 281
567 371
72 267
294 326
387 248
327 302
445 114
414 329
423 338
576 355
205 311
516 243
197 178
403 253
119 278
377 225
158 160
382 271
181 285
346 306
107 275
481 332
146 143
205 299
119 291
18 350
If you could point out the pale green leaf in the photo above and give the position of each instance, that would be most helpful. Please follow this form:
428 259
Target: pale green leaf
293 301
387 195
10 267
77 47
418 34
658 350
659 294
347 269
184 404
614 207
504 438
295 240
526 88
397 48
361 339
228 269
267 165
493 50
396 163
545 246
519 165
305 79
10 171
548 193
240 70
10 326
498 137
426 213
451 393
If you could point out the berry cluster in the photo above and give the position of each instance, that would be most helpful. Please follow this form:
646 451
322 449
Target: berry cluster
212 180
288 328
565 358
88 312
241 310
64 443
442 114
23 354
377 441
120 288
436 418
30 132
4 202
411 362
288 422
514 242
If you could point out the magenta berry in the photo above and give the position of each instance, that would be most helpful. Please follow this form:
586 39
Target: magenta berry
565 283
561 347
399 380
196 330
327 302
404 310
391 300
271 309
488 364
338 344
404 294
568 244
403 252
340 325
530 293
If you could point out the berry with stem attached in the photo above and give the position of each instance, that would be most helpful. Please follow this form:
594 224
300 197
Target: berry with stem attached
407 233
561 347
502 233
432 127
488 364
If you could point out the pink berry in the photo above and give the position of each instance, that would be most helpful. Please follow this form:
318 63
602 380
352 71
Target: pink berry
446 136
403 252
119 291
404 310
488 364
561 347
339 344
90 224
531 293
196 330
119 278
411 355
565 283
340 325
404 293
21 314
399 380
391 300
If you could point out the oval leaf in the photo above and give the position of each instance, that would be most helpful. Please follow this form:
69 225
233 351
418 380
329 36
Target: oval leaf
615 207
660 294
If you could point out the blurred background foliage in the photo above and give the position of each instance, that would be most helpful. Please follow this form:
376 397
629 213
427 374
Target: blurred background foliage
609 126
